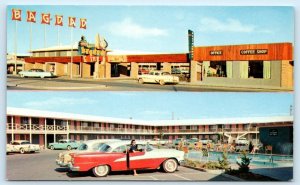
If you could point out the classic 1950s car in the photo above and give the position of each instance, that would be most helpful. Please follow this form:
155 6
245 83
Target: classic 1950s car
64 144
116 157
158 77
36 73
64 158
22 146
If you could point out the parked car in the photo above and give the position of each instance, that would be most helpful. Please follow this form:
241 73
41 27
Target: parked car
9 148
177 141
158 142
242 141
115 157
64 158
22 146
36 73
158 77
64 144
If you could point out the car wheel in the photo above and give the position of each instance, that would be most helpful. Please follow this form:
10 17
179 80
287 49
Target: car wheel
52 147
101 171
170 165
161 82
141 81
69 147
22 151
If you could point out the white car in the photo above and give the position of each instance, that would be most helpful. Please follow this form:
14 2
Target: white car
36 73
9 149
242 141
158 77
23 146
86 146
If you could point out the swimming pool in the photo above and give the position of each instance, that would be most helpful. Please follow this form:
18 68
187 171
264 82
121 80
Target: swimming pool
260 160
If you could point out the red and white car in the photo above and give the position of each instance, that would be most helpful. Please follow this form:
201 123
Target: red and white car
115 157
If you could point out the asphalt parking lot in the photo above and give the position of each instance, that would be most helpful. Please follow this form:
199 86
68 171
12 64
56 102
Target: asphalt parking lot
41 166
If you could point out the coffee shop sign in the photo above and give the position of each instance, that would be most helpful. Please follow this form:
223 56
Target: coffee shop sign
253 51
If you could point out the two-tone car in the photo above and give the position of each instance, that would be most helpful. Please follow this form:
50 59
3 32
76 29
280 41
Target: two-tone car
36 73
64 158
64 144
116 156
22 146
160 77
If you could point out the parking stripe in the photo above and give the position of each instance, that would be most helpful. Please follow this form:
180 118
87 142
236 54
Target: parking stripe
153 178
182 177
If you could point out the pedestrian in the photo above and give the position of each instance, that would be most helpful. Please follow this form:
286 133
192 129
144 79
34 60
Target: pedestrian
132 149
250 147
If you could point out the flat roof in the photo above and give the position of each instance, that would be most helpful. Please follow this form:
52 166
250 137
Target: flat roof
200 121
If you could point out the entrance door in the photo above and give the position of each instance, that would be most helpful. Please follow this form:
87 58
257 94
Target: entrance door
115 70
92 69
199 71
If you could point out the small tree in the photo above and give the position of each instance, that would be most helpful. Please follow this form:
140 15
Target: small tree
245 162
224 163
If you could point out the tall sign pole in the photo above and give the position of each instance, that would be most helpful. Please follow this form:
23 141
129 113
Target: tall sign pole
72 21
16 16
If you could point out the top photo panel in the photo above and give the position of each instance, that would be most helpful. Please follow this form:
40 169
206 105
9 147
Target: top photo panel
150 48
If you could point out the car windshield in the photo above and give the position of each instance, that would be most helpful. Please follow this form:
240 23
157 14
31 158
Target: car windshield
105 148
165 73
25 143
83 146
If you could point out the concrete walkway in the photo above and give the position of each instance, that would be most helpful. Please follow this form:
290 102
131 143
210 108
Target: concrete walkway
281 174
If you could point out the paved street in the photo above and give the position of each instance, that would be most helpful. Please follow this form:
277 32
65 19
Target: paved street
41 166
17 83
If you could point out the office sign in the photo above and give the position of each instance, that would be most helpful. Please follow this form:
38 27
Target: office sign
216 52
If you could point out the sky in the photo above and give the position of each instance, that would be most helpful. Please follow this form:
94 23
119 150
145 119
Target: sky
155 105
156 28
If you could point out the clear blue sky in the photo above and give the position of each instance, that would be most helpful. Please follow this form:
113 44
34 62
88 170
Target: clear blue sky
158 28
155 105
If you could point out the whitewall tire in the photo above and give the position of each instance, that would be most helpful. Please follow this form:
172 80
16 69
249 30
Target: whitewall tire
101 171
170 165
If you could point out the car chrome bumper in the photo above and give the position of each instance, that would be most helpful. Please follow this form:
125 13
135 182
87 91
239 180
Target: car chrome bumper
181 162
60 163
73 168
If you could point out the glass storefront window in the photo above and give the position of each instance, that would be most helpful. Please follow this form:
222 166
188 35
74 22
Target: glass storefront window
217 69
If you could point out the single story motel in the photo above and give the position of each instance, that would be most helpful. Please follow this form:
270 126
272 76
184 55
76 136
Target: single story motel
44 127
249 65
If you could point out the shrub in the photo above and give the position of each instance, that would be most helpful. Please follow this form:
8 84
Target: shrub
245 162
212 165
224 163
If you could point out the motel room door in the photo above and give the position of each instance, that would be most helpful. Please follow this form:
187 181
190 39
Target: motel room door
199 71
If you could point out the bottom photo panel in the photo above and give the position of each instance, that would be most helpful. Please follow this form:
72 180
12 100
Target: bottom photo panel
149 136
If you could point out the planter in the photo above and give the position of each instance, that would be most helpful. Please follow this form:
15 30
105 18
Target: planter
217 172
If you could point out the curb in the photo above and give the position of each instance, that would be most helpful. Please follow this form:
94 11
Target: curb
57 88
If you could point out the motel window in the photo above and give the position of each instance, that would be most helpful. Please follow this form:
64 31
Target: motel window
24 120
35 121
217 69
255 69
8 119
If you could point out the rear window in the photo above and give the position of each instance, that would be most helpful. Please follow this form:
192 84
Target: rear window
105 148
83 147
25 143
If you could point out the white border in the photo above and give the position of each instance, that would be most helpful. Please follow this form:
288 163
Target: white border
4 3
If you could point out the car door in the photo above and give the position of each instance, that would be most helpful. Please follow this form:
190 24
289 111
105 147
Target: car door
137 159
120 159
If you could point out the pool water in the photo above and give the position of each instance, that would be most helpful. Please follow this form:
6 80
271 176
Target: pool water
261 160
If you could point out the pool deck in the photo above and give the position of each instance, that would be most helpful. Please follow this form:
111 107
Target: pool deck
281 174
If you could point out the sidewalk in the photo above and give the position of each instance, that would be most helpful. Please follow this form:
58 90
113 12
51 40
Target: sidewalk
281 174
33 84
267 88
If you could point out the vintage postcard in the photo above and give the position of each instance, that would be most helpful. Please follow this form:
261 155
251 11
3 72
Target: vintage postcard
151 93
145 48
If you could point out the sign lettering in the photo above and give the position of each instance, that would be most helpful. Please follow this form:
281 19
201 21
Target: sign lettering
191 44
273 132
72 21
31 16
45 18
254 52
83 23
16 15
216 52
58 20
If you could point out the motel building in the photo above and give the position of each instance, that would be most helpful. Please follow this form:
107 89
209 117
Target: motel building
44 127
249 65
